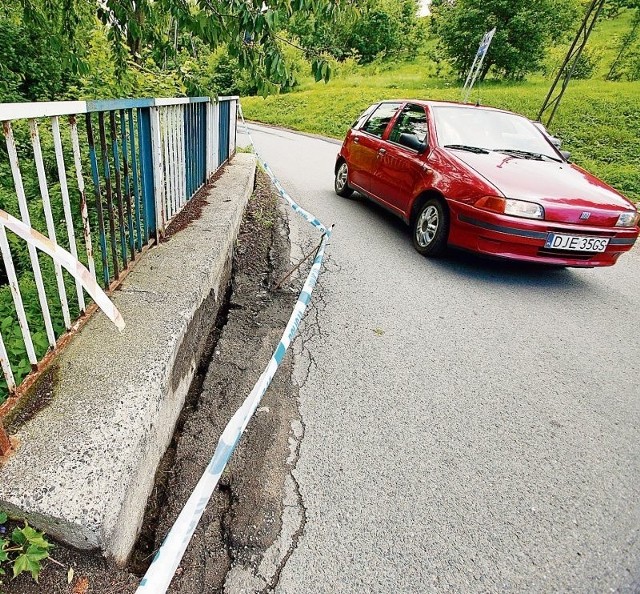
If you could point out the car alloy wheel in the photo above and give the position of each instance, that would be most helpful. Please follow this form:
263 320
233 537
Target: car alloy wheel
431 228
341 184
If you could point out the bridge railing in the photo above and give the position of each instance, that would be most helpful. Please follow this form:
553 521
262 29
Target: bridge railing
101 179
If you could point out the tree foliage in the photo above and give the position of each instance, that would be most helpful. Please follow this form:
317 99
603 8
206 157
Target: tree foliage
38 56
612 8
249 29
627 61
375 28
524 29
51 49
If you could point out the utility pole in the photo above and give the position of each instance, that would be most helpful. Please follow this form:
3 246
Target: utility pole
554 96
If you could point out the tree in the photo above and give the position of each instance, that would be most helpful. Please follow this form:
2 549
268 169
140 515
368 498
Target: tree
156 33
384 29
524 29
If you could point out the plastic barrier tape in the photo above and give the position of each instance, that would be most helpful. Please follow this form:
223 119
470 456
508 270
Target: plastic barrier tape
162 569
296 207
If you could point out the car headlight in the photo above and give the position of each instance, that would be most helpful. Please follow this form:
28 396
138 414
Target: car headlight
628 219
510 206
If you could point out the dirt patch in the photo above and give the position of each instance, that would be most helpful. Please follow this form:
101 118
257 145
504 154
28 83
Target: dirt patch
192 210
39 397
243 517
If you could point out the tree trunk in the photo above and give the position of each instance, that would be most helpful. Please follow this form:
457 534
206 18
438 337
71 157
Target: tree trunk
485 69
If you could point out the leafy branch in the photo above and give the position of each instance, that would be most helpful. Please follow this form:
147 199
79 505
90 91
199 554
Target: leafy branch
23 550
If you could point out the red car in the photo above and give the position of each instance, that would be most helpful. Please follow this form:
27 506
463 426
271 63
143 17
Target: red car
485 180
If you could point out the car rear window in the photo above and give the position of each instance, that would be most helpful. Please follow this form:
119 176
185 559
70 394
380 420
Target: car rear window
380 118
363 117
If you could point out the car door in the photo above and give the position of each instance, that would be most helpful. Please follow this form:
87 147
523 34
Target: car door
365 142
401 170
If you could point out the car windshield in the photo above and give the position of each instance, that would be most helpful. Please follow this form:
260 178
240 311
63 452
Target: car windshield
471 128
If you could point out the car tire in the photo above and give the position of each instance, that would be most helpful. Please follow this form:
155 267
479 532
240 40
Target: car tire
430 228
342 176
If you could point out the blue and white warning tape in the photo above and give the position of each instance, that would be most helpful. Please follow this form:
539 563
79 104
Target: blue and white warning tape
162 569
301 211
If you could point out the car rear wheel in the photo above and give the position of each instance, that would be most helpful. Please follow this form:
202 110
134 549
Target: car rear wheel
430 228
341 183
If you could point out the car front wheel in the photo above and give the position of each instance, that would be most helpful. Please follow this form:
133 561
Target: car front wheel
430 228
341 183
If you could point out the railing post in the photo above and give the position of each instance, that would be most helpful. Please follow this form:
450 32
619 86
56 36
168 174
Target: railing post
215 125
202 133
5 442
223 141
209 143
233 121
147 177
158 177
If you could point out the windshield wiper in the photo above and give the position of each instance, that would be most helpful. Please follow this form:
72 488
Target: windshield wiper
526 155
465 147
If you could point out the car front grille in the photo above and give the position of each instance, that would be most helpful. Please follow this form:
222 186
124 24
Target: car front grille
582 232
566 254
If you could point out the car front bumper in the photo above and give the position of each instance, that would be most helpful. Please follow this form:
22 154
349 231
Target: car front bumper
524 239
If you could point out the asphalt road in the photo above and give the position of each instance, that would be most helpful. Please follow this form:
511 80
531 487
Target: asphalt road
470 426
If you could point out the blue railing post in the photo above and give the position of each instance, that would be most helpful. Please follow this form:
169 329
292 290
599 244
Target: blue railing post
98 197
202 108
224 132
146 166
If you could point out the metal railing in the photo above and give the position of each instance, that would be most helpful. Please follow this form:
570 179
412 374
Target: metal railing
101 179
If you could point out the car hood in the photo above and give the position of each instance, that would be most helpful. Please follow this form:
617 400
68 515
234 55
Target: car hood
561 188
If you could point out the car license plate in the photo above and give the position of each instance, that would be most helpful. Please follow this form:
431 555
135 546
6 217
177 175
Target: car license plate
577 243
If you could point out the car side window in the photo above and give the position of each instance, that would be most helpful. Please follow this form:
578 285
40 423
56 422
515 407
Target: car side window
380 118
412 120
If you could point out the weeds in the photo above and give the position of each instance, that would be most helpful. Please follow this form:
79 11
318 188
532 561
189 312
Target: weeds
23 550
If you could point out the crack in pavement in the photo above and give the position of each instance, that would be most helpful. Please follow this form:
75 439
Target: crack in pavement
298 505
308 333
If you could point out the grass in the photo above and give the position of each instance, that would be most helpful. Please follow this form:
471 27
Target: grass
598 120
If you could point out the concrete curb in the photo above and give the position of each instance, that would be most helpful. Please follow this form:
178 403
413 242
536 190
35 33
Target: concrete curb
86 464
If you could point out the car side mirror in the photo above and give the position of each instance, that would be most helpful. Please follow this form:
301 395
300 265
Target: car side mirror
411 141
566 154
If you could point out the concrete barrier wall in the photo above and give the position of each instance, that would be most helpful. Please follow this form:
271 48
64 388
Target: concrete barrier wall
86 464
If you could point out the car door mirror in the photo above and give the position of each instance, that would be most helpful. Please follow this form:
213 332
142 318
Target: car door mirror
411 141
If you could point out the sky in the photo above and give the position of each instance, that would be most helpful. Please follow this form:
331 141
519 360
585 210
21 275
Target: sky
424 7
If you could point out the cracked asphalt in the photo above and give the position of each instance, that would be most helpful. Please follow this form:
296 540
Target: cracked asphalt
470 426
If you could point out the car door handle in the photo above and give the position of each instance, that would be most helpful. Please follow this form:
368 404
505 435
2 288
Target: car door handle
382 151
356 139
425 168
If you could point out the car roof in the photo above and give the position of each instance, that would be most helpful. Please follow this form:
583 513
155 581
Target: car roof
433 103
